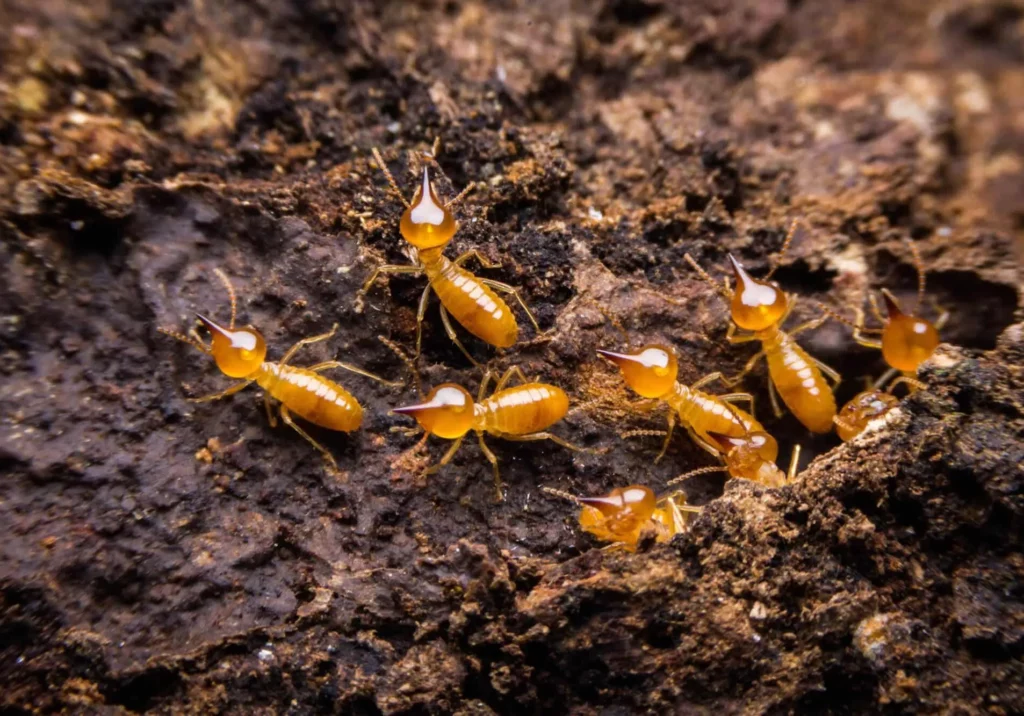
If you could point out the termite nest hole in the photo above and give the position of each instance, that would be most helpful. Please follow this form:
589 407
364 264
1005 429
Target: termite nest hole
980 310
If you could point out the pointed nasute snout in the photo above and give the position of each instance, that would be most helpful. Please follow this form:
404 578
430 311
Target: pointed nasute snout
213 327
891 306
618 358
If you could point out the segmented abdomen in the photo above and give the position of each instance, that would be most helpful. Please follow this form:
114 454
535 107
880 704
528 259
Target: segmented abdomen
312 397
801 385
475 306
527 408
708 413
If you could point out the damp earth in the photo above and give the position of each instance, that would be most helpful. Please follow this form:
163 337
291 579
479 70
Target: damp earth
161 556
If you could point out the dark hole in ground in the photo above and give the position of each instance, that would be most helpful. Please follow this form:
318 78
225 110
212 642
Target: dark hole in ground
979 310
143 691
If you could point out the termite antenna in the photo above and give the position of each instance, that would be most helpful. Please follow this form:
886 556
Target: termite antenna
403 356
694 473
184 339
610 318
707 277
857 325
387 173
432 158
776 260
919 265
560 493
231 294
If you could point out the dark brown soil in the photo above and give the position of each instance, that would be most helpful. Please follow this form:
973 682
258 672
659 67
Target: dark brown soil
170 557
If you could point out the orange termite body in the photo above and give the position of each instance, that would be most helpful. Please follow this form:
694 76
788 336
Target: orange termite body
906 342
752 457
761 307
521 413
312 397
626 514
861 410
428 225
651 371
240 353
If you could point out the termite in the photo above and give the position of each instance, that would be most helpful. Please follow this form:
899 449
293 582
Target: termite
241 352
626 514
521 413
760 307
429 225
651 372
749 457
906 341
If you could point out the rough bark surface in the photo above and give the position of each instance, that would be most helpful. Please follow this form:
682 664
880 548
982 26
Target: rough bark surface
166 557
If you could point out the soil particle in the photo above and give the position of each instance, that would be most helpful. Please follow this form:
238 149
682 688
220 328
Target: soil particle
172 557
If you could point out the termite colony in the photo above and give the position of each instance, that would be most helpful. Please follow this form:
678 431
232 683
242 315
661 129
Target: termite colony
526 410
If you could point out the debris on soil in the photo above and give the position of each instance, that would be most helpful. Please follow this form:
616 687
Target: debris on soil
174 557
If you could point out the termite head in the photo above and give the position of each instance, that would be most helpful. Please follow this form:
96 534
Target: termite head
862 409
756 305
239 352
623 511
651 371
447 412
907 341
751 456
427 223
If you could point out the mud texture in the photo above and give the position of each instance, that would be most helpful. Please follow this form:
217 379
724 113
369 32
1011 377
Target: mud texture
161 556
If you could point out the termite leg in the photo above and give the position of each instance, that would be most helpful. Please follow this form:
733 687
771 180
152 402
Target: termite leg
514 371
484 384
773 396
287 418
222 394
484 261
749 366
883 379
794 460
446 458
808 326
446 322
859 329
493 459
730 335
701 442
388 268
943 315
671 417
709 378
553 438
352 369
421 313
271 418
505 288
739 398
646 405
875 309
307 341
829 371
